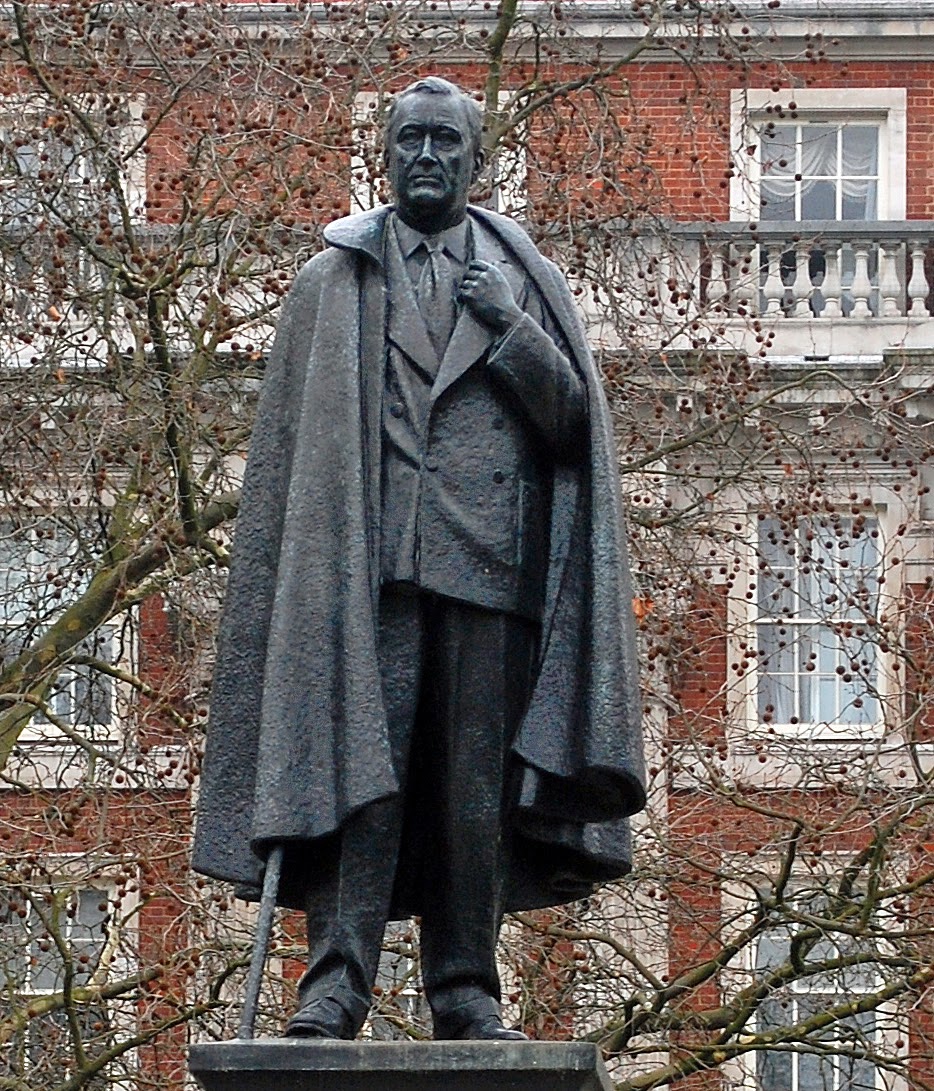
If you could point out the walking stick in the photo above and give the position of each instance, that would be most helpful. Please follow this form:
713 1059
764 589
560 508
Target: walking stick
267 908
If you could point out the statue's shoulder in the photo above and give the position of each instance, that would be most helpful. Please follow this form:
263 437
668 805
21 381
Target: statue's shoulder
362 232
345 240
325 263
328 267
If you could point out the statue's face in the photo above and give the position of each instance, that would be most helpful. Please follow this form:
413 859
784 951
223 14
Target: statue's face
431 161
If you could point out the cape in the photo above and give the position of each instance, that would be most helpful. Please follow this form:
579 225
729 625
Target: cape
297 737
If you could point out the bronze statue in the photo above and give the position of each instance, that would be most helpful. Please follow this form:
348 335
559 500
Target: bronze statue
426 677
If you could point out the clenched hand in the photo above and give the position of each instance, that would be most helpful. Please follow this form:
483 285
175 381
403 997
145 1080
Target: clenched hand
486 291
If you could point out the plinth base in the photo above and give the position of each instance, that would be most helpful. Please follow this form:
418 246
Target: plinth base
294 1064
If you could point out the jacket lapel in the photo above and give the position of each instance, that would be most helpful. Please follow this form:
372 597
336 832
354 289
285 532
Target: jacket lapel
406 328
471 337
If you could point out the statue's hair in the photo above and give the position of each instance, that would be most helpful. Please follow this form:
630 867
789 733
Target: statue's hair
435 85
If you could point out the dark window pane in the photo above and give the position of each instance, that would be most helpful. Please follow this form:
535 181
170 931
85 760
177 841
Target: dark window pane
774 1070
860 200
779 150
860 149
818 200
777 202
815 1073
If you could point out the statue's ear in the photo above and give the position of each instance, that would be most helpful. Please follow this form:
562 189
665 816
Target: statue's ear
479 160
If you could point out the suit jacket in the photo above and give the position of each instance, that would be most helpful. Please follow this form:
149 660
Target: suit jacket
470 442
298 738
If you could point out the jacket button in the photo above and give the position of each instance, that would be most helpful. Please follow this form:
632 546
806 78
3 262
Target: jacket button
498 422
396 409
431 465
499 477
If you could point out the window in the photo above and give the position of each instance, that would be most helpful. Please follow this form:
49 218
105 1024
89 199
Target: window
50 166
807 155
849 146
817 595
831 937
42 565
830 1059
54 172
38 169
39 565
83 697
56 942
819 171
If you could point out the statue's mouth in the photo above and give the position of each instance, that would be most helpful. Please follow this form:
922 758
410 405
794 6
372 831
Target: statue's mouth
426 180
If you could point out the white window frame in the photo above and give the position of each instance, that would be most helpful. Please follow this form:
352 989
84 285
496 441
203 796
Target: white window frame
73 872
741 1072
745 730
808 616
40 730
15 108
888 106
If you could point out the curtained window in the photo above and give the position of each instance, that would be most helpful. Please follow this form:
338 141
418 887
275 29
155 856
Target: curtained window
817 601
820 171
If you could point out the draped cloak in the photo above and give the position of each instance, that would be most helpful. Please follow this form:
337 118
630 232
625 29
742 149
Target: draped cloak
297 737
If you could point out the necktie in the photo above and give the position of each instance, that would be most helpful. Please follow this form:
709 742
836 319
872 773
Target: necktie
435 293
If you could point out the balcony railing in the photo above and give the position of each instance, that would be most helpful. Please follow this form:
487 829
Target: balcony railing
812 270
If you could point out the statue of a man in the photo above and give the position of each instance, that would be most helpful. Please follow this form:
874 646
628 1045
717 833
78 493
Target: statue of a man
426 676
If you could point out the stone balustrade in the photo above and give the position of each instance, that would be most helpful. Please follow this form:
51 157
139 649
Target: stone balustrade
811 289
813 270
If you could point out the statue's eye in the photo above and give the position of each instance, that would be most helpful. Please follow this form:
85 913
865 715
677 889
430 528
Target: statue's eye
409 138
446 139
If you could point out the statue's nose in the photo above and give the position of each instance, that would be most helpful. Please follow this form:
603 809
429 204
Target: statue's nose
428 151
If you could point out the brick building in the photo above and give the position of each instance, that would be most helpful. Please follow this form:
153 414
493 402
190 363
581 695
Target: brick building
743 201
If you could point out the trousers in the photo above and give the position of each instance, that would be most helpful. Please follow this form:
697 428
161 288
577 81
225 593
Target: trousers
456 680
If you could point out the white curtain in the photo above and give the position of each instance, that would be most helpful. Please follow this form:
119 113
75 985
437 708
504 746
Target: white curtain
823 149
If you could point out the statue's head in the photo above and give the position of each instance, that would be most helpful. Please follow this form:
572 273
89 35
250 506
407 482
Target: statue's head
433 153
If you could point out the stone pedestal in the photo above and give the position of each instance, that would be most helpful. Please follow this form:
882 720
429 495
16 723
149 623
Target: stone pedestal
293 1064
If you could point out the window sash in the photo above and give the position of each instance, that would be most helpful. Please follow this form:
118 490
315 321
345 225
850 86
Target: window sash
811 171
42 150
840 1068
81 696
816 602
82 918
41 1049
38 561
779 1070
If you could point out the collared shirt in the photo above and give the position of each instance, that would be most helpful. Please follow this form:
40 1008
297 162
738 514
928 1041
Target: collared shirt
455 242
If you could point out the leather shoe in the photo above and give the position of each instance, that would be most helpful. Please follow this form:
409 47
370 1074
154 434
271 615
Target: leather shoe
474 1019
321 1017
490 1028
